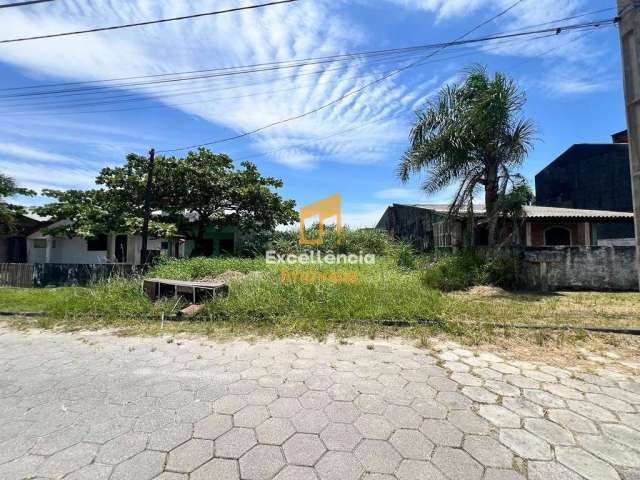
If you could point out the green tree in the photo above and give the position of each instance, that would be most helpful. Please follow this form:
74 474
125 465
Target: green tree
203 190
9 211
472 135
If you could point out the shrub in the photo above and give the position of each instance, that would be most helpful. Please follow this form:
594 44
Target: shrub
454 272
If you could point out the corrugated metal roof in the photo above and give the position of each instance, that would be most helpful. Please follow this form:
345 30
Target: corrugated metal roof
537 211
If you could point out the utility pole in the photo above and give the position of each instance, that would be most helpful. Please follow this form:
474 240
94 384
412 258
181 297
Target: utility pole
144 253
629 13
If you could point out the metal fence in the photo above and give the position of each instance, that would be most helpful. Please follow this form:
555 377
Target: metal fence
16 274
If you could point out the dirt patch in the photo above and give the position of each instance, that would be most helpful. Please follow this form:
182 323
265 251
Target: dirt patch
487 291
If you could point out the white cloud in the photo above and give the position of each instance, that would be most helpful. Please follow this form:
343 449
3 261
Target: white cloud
400 194
22 152
364 216
304 29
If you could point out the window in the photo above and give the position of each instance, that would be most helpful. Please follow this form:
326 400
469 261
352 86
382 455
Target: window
441 236
557 236
40 243
98 243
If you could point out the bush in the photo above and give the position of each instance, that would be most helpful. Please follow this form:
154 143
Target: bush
454 272
350 241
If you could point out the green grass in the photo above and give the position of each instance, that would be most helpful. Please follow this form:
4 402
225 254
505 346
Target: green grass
263 303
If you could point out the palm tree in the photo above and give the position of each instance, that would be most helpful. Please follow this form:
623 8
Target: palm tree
471 135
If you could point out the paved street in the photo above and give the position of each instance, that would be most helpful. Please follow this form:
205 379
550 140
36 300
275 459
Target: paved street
97 406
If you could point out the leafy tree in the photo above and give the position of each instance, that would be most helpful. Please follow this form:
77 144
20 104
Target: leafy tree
202 190
9 211
471 135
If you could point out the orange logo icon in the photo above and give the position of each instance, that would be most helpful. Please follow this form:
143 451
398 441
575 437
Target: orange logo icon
324 209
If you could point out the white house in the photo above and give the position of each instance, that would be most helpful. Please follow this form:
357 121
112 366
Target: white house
111 248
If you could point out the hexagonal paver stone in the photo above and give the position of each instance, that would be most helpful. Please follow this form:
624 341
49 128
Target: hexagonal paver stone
95 471
250 416
429 409
622 434
342 392
310 421
229 404
176 399
340 436
303 449
525 444
193 412
101 432
190 455
23 467
585 464
418 470
235 442
456 464
469 422
501 474
262 462
591 411
488 451
523 407
563 391
609 451
551 432
319 382
218 468
499 416
370 403
441 432
544 399
315 400
339 466
572 421
68 460
377 456
154 420
294 472
169 437
412 444
122 447
375 427
274 431
284 407
454 400
403 417
480 394
550 471
262 396
293 389
144 466
341 412
467 379
502 388
610 403
212 426
242 387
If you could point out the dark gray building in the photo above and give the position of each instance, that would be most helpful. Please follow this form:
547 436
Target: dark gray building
591 176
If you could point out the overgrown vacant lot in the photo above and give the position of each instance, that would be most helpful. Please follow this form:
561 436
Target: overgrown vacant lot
262 302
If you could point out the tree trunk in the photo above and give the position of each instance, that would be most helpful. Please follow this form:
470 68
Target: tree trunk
491 201
198 250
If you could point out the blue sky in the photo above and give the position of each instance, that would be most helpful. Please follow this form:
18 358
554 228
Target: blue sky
573 83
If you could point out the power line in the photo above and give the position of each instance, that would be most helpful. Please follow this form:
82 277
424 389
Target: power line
282 64
393 117
135 96
148 22
390 74
22 4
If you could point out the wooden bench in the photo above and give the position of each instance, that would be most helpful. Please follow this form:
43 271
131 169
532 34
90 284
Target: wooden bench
191 291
